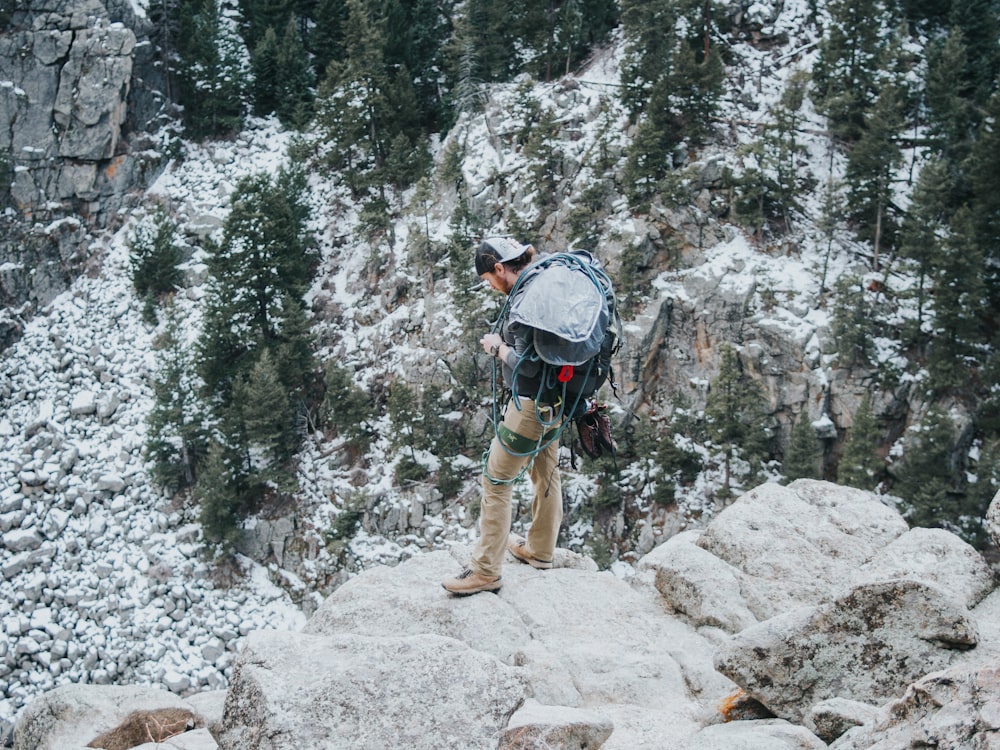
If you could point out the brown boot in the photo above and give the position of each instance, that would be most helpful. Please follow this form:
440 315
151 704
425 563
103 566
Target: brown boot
468 582
519 549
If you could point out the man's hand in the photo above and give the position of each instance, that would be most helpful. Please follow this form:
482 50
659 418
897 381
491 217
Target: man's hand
491 343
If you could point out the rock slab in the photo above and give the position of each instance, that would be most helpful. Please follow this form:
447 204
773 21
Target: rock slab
422 691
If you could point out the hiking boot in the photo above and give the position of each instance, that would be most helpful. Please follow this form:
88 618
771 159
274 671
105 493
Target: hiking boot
469 582
519 549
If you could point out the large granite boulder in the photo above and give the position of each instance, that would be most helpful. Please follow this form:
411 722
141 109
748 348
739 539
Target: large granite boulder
310 692
866 646
955 709
774 549
71 716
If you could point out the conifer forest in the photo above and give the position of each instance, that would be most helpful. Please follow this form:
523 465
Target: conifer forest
879 151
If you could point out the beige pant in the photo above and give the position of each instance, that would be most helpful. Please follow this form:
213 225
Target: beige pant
546 507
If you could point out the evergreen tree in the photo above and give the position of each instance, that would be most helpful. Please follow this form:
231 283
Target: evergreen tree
265 73
326 42
984 173
348 409
770 190
263 425
860 465
803 454
924 229
736 417
671 83
871 167
926 480
951 109
155 255
214 70
959 302
854 325
295 85
219 506
176 440
846 75
979 23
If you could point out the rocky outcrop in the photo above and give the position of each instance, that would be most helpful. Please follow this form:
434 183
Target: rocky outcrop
865 646
421 691
577 658
74 77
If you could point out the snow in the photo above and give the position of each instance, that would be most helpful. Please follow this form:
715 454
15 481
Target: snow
119 585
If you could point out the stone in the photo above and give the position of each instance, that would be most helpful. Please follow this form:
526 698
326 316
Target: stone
798 545
829 719
993 519
932 556
83 403
535 725
196 739
954 709
701 587
867 646
71 715
761 734
294 691
22 540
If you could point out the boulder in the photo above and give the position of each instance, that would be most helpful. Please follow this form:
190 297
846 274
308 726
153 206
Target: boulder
954 709
993 519
762 734
867 646
298 692
702 588
581 638
72 715
535 725
829 719
932 556
798 545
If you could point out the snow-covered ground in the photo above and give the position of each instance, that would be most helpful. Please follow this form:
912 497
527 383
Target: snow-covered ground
105 580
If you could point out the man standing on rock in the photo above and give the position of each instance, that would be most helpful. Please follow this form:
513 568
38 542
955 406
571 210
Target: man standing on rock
529 433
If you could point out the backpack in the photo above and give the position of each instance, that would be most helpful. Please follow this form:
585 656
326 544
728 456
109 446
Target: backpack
569 301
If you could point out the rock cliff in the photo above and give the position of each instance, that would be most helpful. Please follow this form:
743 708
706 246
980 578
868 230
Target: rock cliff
835 627
79 90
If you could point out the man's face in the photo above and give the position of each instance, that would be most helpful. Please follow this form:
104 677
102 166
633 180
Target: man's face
499 279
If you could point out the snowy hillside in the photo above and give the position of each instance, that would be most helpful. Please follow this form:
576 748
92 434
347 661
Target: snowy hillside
106 580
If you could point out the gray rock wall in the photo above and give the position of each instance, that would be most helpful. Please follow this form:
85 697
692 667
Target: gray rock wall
78 89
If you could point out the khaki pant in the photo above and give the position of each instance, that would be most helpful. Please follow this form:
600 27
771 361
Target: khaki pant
546 507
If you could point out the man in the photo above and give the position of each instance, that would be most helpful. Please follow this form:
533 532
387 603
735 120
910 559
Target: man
526 435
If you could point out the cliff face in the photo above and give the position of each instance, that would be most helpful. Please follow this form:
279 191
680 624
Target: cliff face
78 90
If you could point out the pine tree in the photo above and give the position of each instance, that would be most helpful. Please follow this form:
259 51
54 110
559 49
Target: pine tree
803 455
176 440
951 109
346 407
214 70
979 22
860 466
155 255
265 73
264 425
671 83
926 480
295 83
984 174
220 508
326 42
736 417
851 55
854 325
925 226
959 301
871 166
